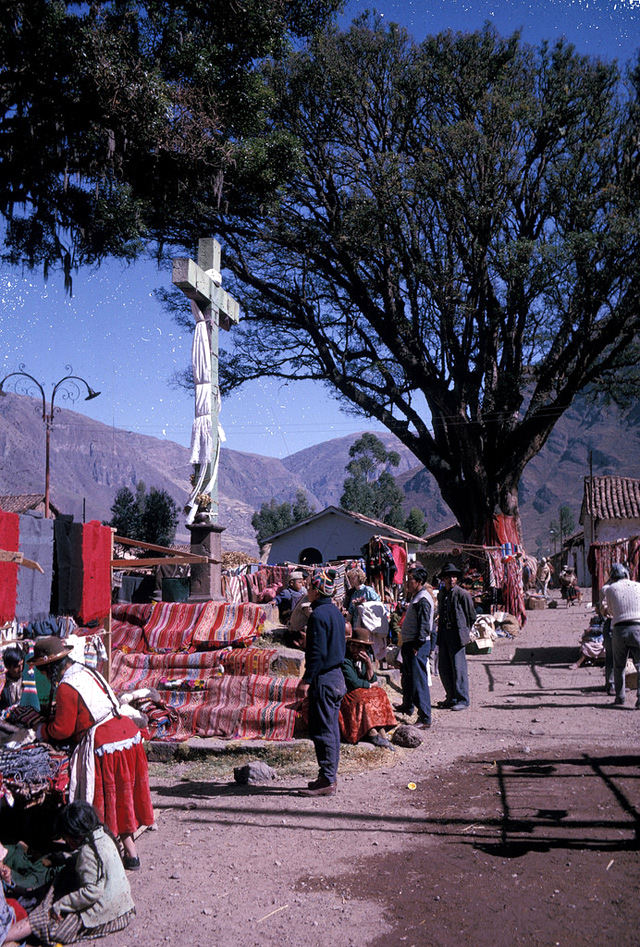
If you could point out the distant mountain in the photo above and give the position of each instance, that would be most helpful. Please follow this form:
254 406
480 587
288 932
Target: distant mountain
91 461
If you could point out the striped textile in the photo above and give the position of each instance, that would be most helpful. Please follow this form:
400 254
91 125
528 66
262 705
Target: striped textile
171 625
222 623
133 670
127 637
232 587
233 706
250 707
247 660
134 614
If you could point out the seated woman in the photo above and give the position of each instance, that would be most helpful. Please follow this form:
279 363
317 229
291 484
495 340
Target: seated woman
357 593
99 902
13 660
365 711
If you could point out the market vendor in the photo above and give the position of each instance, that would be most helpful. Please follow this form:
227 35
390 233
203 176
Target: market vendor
13 660
365 710
108 766
287 598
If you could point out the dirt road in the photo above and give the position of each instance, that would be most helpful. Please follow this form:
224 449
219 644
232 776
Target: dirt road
524 827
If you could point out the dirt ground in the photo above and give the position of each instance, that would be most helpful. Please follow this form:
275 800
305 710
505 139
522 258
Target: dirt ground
524 826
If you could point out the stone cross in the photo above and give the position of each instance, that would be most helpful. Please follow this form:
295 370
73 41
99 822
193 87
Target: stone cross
201 282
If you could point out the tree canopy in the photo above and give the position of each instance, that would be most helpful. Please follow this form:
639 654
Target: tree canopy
114 113
370 488
150 516
273 516
457 254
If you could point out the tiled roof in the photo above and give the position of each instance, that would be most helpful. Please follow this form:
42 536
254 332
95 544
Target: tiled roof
611 498
20 502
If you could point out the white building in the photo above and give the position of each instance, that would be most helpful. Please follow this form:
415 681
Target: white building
330 535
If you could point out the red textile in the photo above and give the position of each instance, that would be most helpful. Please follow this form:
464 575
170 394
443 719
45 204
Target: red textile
95 599
399 554
122 797
172 624
9 541
364 708
222 623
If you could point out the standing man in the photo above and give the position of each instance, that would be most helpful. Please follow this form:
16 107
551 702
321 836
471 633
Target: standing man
417 640
456 615
543 577
324 654
621 602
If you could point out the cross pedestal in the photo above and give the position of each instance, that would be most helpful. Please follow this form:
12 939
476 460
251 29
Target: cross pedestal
206 578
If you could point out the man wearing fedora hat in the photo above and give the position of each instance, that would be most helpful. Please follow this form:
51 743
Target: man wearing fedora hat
456 615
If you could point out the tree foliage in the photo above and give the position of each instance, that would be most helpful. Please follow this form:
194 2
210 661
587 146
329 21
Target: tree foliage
370 488
457 253
117 116
151 517
274 517
416 522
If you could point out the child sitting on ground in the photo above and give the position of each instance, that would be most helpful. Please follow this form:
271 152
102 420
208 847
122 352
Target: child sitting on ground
99 901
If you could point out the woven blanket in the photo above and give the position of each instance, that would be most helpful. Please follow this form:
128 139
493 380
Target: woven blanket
247 660
248 707
127 637
222 623
132 670
134 614
34 588
96 571
171 625
9 541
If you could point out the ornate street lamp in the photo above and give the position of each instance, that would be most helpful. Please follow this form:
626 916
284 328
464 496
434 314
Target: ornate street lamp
69 390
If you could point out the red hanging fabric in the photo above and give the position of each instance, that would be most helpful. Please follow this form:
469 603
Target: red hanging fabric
95 601
399 554
9 541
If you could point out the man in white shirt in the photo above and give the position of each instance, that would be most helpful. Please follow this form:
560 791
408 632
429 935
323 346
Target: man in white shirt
621 602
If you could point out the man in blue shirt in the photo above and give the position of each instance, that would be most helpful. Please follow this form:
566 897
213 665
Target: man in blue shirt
324 654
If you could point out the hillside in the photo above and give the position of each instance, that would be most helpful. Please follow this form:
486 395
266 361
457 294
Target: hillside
91 461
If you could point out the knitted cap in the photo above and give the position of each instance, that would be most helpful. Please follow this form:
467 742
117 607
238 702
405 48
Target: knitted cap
324 580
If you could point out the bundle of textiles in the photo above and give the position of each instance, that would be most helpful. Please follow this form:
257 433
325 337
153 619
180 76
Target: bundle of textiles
31 764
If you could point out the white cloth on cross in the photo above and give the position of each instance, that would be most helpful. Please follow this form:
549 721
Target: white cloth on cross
202 446
201 439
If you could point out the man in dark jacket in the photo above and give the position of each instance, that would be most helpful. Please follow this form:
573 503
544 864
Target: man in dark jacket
324 654
456 615
417 631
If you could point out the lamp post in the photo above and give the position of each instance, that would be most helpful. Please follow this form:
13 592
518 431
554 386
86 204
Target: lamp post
69 389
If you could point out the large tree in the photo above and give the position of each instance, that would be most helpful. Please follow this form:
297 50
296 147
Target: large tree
116 116
458 253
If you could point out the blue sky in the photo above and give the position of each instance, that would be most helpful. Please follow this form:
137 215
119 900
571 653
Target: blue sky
115 333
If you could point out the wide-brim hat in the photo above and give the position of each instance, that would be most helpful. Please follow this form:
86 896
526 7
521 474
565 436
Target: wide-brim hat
359 636
47 650
450 569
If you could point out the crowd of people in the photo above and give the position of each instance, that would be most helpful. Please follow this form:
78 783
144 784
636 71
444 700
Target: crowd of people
342 699
109 796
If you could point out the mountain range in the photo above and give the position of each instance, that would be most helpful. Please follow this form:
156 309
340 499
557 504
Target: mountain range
90 461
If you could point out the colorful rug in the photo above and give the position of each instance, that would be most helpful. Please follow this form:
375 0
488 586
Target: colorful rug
233 707
222 623
171 625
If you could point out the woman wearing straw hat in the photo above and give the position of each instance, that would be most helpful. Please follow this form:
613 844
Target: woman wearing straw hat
108 766
365 711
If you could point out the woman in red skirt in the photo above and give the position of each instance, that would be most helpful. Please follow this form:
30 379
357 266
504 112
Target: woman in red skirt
108 766
365 710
